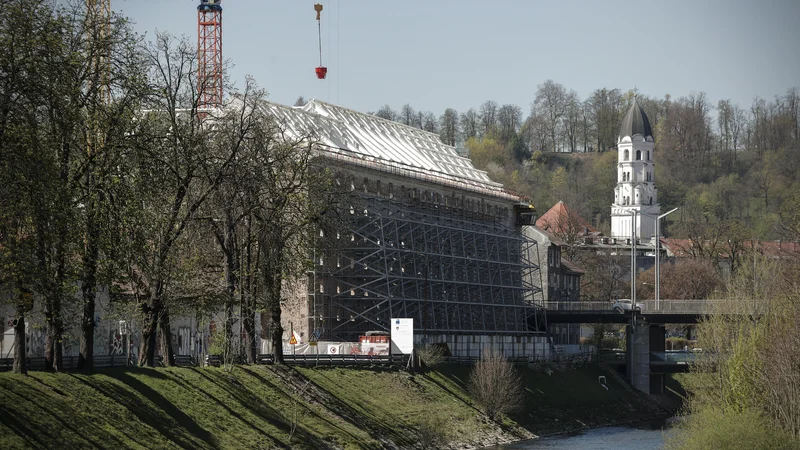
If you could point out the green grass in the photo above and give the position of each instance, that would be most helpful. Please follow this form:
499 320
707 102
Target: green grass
256 407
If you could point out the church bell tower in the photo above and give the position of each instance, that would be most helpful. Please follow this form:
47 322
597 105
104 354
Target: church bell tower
635 196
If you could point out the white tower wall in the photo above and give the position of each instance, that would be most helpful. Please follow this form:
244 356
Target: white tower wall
635 195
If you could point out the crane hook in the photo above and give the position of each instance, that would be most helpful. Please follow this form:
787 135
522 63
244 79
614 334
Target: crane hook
318 9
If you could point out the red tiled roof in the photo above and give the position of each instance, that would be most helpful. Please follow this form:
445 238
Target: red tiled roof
681 248
561 220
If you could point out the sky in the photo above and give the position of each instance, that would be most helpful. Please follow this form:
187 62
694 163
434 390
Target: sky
437 54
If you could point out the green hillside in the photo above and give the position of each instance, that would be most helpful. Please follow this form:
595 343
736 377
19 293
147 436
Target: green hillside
258 406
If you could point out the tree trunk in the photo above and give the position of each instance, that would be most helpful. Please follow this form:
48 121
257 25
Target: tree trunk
89 291
274 302
148 346
277 333
249 324
20 356
167 352
248 301
231 279
53 348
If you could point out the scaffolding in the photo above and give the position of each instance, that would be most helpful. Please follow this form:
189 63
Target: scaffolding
452 271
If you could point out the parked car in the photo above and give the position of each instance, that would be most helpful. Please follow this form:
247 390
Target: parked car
625 304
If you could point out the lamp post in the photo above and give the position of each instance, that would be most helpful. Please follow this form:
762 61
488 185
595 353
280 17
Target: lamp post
657 287
658 257
633 258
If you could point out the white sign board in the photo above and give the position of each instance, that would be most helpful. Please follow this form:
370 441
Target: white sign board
402 332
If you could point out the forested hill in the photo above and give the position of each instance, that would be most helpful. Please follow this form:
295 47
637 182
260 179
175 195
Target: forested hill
732 169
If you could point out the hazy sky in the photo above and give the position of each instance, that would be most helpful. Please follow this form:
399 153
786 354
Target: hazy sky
436 54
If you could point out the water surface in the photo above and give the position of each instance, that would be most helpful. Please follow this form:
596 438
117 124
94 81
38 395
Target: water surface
639 436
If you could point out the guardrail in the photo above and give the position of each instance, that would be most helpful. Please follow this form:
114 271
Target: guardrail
648 306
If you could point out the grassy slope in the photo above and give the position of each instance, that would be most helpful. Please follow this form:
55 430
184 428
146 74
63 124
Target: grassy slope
254 407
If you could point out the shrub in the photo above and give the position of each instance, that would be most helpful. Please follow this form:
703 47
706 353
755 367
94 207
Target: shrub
713 428
495 384
433 432
432 355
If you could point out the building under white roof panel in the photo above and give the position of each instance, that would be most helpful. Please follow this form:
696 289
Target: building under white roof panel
360 138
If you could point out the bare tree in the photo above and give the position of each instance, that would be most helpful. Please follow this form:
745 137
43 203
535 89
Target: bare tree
495 384
604 112
509 119
407 115
573 116
386 112
487 114
551 100
469 124
448 126
429 122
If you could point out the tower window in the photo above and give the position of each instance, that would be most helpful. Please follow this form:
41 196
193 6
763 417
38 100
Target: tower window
648 155
627 155
638 155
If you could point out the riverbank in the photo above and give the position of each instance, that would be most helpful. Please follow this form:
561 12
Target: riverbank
280 407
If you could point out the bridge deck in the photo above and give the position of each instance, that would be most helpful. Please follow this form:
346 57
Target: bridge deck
666 311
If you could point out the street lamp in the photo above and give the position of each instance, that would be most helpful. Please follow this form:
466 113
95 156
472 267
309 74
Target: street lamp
657 287
633 259
658 256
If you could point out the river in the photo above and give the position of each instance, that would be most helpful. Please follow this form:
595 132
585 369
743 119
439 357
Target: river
639 436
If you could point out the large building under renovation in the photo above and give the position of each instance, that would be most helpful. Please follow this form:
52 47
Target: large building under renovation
430 238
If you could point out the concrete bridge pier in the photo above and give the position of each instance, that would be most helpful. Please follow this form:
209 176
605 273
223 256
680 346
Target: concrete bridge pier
641 340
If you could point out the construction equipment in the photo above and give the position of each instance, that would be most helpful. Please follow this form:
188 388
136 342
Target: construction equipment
209 53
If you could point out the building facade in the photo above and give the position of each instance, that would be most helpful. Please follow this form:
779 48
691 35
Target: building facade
429 237
561 283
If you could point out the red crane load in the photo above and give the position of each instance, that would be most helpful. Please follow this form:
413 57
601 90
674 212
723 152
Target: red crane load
320 70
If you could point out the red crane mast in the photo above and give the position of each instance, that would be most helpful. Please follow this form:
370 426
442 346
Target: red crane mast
209 53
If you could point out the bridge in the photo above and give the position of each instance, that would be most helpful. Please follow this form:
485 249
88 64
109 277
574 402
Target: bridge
667 311
645 355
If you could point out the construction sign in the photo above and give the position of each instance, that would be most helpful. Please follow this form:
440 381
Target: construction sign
312 340
293 340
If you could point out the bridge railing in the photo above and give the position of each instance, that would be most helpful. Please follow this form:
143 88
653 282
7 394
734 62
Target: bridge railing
648 306
677 306
578 306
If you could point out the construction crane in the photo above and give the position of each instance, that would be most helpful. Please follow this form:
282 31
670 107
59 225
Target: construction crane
209 53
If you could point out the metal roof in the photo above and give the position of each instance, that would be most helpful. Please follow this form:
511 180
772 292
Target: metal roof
367 140
635 122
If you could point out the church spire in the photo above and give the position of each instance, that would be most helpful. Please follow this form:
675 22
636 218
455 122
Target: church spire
635 196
